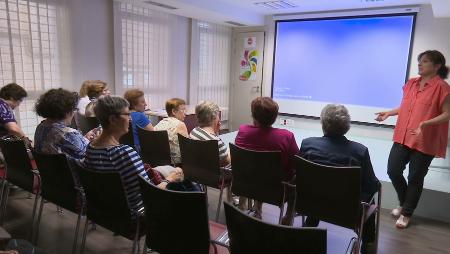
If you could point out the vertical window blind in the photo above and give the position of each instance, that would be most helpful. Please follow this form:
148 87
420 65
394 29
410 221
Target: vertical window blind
151 53
29 52
214 53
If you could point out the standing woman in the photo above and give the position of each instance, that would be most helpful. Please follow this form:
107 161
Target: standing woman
420 133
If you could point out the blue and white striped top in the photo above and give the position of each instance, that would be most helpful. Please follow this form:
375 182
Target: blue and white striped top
125 160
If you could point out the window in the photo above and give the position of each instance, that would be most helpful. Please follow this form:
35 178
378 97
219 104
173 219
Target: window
29 52
151 53
213 64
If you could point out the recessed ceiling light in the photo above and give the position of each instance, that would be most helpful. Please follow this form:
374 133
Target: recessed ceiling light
275 5
165 6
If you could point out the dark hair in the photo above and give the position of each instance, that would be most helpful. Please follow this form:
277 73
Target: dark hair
264 111
173 104
13 91
56 103
436 57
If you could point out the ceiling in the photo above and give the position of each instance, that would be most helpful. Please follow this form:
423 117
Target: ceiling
247 13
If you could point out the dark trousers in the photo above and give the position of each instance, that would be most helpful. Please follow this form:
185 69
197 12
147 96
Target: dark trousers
408 192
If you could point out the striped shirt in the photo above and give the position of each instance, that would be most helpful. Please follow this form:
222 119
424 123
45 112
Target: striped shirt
126 161
200 134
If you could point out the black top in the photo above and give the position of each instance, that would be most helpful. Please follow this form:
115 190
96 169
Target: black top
339 151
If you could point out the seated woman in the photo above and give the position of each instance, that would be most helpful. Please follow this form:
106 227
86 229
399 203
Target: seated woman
105 153
208 117
138 119
261 136
335 149
174 125
94 90
11 96
84 98
53 135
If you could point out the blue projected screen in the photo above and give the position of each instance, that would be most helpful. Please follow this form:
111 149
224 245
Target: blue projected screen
361 62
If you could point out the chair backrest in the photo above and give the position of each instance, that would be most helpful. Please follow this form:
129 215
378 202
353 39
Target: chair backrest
128 138
176 222
257 175
85 124
58 180
250 235
106 201
328 193
18 164
155 149
200 160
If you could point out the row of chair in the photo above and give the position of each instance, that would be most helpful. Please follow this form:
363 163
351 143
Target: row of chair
200 163
169 214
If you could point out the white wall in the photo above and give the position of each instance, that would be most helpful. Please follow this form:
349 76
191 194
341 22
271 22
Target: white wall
430 33
91 41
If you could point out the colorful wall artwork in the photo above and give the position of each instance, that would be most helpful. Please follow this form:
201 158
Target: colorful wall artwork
249 63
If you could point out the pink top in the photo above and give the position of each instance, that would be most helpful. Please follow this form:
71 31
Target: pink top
269 139
418 106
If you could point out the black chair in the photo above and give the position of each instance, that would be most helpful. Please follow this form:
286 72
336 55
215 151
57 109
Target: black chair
59 186
155 149
128 138
85 124
18 171
250 235
106 204
176 215
332 194
201 164
258 175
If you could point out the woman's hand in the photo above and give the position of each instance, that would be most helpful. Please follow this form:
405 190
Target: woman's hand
381 116
419 129
93 134
176 175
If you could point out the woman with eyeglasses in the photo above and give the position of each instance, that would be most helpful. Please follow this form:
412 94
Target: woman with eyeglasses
105 153
11 96
53 135
174 124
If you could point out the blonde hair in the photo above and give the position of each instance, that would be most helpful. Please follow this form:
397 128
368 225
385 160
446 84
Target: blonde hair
94 88
132 96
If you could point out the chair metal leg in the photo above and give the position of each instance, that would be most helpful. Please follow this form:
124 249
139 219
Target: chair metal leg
219 205
135 249
75 240
38 222
83 241
33 215
5 194
280 219
2 192
144 249
377 225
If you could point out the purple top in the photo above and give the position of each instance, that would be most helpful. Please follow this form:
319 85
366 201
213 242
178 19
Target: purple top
269 139
6 116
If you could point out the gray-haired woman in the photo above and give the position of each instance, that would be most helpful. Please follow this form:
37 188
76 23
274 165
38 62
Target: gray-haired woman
208 117
106 153
335 149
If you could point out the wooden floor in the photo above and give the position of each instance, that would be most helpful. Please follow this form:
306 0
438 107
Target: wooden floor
56 231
